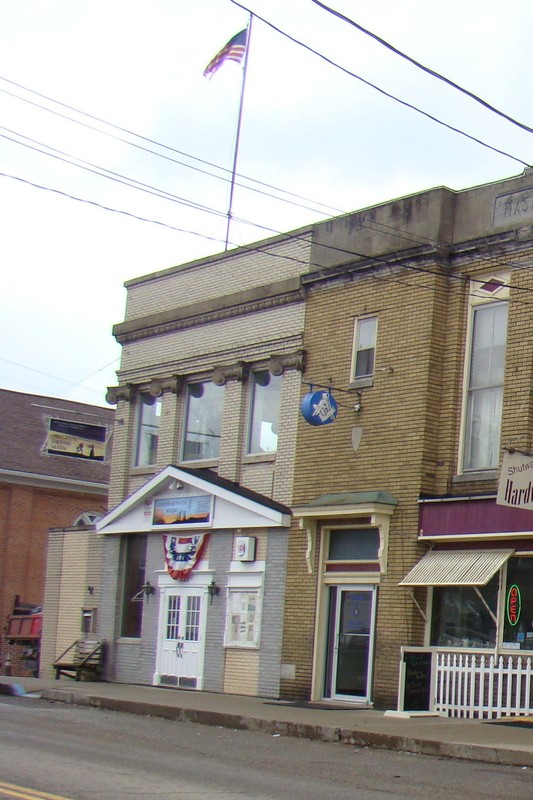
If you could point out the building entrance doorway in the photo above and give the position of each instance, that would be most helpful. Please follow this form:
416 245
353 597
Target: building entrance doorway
180 660
350 643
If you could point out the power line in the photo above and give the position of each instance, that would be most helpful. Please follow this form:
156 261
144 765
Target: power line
132 183
327 208
404 103
429 71
56 377
108 208
114 176
380 262
154 190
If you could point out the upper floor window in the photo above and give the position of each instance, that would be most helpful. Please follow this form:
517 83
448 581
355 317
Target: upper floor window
485 386
264 416
364 348
203 421
149 409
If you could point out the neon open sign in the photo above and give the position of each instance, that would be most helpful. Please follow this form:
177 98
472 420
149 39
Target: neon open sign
514 604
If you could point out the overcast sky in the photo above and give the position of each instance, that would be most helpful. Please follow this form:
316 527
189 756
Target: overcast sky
118 86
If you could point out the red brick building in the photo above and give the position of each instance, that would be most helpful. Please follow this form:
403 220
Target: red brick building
54 471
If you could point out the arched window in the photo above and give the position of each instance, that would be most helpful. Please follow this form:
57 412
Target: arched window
87 518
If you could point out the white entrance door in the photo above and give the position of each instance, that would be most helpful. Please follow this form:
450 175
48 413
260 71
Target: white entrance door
350 643
182 638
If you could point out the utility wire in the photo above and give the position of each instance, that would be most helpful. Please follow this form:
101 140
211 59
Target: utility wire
382 91
133 183
379 262
394 232
166 195
429 71
173 149
109 208
109 174
56 377
327 208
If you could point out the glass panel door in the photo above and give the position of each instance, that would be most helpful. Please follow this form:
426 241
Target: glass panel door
350 642
182 638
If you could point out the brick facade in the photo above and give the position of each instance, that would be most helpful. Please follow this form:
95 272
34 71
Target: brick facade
39 491
418 286
413 264
218 319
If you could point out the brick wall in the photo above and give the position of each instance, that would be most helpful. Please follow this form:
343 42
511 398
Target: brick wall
398 451
218 276
411 423
26 514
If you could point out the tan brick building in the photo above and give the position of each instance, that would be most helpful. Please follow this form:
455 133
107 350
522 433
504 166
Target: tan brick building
195 549
49 477
402 334
406 325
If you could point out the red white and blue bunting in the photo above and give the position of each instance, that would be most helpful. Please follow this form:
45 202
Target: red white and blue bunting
182 553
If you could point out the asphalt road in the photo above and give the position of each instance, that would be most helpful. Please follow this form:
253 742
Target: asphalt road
90 754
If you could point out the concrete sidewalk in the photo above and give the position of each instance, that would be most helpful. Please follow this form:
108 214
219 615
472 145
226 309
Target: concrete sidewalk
501 742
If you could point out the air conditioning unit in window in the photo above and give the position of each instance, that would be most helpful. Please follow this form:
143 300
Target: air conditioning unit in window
245 548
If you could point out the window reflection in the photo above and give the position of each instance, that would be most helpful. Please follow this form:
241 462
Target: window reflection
203 425
264 418
148 430
461 617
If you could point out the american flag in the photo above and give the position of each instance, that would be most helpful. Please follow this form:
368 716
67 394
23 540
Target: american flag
234 50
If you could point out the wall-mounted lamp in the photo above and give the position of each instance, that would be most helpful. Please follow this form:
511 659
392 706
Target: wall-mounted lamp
358 404
212 590
90 589
148 589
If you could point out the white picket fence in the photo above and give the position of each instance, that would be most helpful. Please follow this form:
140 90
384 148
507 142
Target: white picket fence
478 686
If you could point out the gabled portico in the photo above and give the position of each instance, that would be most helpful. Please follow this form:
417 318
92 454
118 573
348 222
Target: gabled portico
191 590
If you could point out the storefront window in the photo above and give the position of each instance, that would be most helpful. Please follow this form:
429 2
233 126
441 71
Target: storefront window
518 605
461 617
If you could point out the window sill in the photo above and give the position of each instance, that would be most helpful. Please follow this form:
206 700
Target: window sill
259 458
482 475
200 462
361 383
148 470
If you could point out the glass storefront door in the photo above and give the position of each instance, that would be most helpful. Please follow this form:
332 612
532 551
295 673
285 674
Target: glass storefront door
350 643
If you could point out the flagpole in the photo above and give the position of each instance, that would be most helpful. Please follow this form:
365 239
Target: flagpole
238 134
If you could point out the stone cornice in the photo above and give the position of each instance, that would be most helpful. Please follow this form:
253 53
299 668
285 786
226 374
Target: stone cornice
282 361
231 372
116 393
242 303
155 387
238 371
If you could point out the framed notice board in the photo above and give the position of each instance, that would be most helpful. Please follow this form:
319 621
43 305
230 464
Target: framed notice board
416 681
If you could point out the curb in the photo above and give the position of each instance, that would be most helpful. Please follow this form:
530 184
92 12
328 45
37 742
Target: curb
383 741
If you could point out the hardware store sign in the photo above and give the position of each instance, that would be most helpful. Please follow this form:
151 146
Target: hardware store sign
515 487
